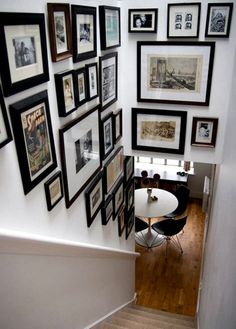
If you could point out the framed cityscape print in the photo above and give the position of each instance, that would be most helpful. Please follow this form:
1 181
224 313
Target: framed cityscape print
5 130
80 84
109 18
143 20
183 20
113 169
174 72
118 196
107 210
59 26
92 80
107 141
117 125
80 153
121 221
32 128
204 131
218 20
84 34
128 168
158 130
129 223
53 190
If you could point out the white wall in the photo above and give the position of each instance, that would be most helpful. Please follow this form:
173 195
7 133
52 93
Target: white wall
196 181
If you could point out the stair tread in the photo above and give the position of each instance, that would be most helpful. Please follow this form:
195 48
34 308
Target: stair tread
109 325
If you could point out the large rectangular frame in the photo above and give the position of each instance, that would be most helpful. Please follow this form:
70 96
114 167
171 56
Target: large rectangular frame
109 18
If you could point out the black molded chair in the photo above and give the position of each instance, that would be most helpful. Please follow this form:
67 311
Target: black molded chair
182 194
140 224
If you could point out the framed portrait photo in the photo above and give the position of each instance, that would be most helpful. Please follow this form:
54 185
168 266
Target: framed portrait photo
32 128
24 62
129 222
204 131
64 83
121 221
183 20
109 18
113 169
80 86
92 80
107 210
53 190
5 130
174 72
117 125
158 130
59 25
107 141
143 20
218 20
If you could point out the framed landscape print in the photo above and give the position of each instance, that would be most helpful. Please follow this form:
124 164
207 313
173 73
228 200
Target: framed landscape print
183 20
158 130
174 72
118 196
31 124
117 125
24 62
113 169
109 18
143 20
84 35
59 25
121 221
107 210
53 190
80 153
92 83
5 130
80 84
129 223
204 131
218 20
107 141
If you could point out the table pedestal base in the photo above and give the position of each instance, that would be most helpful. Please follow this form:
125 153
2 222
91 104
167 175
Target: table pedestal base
148 238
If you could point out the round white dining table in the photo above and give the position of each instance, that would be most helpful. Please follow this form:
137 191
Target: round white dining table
165 203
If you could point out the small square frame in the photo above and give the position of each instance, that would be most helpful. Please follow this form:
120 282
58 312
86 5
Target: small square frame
117 125
109 18
5 130
204 131
53 190
218 19
143 20
107 134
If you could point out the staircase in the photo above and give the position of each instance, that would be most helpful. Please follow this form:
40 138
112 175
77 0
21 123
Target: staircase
138 317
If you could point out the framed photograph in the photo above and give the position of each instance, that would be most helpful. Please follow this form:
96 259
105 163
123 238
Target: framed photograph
84 35
80 153
109 18
218 19
204 131
59 26
53 190
117 126
158 130
128 168
129 222
121 221
129 195
118 196
32 128
92 80
64 82
183 20
113 169
94 198
80 86
175 72
24 62
107 210
107 141
108 79
5 130
143 20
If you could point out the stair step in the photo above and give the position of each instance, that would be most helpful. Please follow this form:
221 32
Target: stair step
108 325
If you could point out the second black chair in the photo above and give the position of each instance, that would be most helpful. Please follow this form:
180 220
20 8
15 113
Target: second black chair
182 194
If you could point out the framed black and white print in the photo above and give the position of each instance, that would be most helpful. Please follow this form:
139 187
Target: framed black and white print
107 141
5 130
121 221
109 18
117 125
84 35
24 62
174 72
80 153
158 130
92 80
53 190
204 131
183 20
143 20
218 20
32 128
64 83
107 209
80 86
129 222
128 168
118 196
129 195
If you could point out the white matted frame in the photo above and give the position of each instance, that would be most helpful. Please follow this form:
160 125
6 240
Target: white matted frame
143 20
204 131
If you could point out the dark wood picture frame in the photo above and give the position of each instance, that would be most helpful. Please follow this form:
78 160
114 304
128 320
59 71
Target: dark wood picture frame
121 221
129 195
129 222
107 134
92 80
107 210
142 20
5 130
117 125
113 169
218 25
118 196
128 168
204 131
80 86
109 18
53 190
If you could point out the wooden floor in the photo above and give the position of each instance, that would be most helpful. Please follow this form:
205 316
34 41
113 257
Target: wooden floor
172 284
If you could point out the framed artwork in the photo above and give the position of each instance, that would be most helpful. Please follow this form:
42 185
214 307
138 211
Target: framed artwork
108 79
121 221
183 20
92 83
5 130
24 62
118 196
117 125
129 195
80 153
107 141
84 35
128 168
32 128
107 210
158 130
143 20
129 223
109 18
218 19
80 86
94 198
59 26
204 131
113 169
175 72
53 190
64 83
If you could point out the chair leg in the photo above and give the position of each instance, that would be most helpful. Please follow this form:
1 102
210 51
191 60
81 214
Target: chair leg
176 243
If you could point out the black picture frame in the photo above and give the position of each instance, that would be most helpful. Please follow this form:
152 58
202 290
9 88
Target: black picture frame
117 125
129 223
92 80
107 134
32 129
158 130
204 131
23 45
128 168
80 86
129 195
109 18
53 190
118 196
107 210
5 130
218 19
142 20
121 221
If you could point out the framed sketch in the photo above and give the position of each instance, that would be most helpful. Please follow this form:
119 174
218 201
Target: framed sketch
53 190
113 169
5 130
24 62
129 195
108 79
129 222
107 210
183 20
175 72
32 128
80 153
64 82
121 221
128 168
94 198
107 141
117 126
158 130
143 20
118 196
84 35
92 80
109 18
204 131
218 19
59 26
80 86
